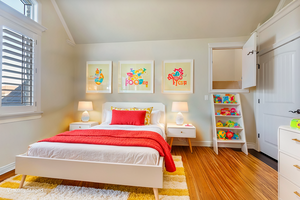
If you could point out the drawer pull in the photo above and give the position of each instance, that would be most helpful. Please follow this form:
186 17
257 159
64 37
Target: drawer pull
181 131
296 140
79 126
297 166
297 193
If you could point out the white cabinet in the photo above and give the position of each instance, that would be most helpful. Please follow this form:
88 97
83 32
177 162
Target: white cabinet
224 118
289 163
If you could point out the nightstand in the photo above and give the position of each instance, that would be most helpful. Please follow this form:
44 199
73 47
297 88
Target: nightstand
173 130
82 125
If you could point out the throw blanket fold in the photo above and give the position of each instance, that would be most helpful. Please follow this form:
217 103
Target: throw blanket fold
118 138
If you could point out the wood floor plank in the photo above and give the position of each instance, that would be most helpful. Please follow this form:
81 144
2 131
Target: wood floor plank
228 176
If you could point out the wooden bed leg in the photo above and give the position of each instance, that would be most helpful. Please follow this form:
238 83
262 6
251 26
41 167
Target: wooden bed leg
171 142
22 181
155 190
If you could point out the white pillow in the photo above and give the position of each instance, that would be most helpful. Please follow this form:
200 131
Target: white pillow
155 117
108 116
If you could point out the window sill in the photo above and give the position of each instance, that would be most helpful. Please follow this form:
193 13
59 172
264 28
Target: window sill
9 118
228 91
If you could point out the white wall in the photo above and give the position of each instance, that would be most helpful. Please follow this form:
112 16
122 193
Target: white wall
57 92
197 49
227 65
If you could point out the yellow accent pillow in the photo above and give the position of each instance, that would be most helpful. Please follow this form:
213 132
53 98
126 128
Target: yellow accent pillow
148 114
115 108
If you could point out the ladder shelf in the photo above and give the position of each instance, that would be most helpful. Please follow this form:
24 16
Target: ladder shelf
240 131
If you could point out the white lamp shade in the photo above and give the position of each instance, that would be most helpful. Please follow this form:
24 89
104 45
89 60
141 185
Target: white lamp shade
85 106
180 107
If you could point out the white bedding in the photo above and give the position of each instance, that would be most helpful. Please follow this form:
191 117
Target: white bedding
101 153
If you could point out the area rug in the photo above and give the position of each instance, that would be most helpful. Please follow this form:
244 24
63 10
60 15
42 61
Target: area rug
39 188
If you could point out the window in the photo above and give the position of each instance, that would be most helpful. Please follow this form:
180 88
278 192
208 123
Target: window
26 7
17 69
232 66
227 68
20 62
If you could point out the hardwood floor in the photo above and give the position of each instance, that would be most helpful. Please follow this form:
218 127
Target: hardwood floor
229 175
265 158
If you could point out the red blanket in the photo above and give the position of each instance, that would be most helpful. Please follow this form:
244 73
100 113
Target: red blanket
118 138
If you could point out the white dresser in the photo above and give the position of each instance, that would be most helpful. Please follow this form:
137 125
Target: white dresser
288 163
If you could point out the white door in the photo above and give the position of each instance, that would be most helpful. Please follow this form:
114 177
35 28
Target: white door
279 92
249 62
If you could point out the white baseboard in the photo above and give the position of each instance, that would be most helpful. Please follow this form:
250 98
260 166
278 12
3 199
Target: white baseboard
250 145
7 168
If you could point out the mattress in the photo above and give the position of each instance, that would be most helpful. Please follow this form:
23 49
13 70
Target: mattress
101 153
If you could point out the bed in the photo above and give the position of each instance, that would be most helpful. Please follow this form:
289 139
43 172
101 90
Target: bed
134 166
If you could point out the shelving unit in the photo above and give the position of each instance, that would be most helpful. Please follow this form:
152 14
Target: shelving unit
236 118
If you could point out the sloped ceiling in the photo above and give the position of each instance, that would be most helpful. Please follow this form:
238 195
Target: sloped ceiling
102 21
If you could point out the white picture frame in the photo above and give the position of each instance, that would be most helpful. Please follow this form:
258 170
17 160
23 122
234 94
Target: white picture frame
136 76
98 76
184 82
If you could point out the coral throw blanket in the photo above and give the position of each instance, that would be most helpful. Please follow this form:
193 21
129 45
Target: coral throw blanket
118 138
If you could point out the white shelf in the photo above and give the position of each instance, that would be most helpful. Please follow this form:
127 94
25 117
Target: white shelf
228 115
231 128
227 104
237 118
230 141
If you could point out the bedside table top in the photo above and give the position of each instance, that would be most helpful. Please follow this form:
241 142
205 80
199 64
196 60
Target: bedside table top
83 123
173 125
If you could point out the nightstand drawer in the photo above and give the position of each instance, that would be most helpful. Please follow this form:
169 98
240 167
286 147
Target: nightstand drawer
74 127
184 133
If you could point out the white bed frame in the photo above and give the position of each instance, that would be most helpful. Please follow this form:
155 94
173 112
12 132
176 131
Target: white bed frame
111 173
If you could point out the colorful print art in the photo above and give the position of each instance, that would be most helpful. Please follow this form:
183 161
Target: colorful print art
136 76
177 76
98 76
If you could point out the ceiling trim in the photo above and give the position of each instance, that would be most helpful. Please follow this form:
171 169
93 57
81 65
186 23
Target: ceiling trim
70 40
280 6
284 11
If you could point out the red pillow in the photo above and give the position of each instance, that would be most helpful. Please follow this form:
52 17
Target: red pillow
128 117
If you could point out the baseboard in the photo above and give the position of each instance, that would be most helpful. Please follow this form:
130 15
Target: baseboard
194 143
7 168
250 145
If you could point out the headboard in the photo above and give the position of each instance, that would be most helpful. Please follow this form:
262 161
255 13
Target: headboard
156 106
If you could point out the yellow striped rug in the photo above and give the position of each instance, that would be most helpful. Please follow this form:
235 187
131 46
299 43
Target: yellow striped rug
40 188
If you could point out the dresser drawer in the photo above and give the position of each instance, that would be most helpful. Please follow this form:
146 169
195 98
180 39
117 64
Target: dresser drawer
74 127
289 167
287 190
287 142
184 133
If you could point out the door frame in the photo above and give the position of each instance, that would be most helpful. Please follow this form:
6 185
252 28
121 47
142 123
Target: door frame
257 94
223 45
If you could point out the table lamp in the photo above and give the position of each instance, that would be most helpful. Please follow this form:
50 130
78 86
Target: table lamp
85 106
180 107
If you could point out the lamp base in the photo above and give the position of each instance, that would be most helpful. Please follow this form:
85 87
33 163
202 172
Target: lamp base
179 119
85 117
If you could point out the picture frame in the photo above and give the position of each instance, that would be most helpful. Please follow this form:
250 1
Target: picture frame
98 76
177 76
136 76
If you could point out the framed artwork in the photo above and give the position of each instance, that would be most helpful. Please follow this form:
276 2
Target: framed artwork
177 76
98 76
136 76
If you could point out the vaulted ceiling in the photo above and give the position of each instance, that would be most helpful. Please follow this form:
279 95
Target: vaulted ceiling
102 21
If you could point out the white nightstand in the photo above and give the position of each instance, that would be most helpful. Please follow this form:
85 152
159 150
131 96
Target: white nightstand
183 131
82 125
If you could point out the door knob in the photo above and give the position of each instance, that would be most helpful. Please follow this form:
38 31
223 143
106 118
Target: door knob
296 111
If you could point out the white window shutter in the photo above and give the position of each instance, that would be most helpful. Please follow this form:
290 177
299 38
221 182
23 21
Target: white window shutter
249 62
